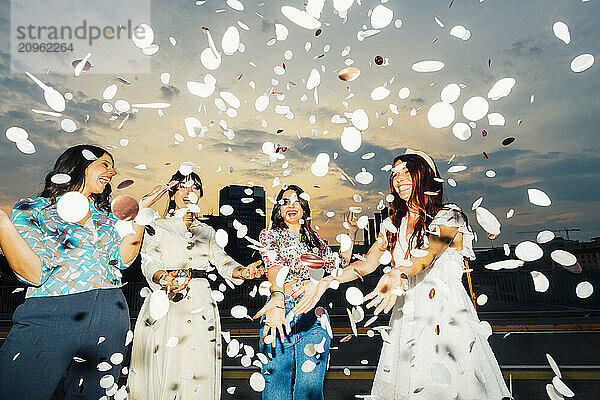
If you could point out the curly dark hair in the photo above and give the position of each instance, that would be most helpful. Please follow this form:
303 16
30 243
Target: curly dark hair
73 163
307 234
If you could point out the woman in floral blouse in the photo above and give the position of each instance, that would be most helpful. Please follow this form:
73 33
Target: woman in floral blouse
290 247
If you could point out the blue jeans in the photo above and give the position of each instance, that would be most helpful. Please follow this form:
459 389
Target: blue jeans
287 358
48 332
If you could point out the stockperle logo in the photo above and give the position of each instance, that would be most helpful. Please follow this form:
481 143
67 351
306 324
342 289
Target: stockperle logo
54 36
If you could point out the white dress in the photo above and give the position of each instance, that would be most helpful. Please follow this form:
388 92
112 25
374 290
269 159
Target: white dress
191 369
437 347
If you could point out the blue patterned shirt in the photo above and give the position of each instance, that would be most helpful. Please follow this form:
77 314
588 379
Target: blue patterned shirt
74 258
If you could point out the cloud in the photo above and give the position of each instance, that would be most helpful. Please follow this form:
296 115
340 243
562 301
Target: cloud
524 48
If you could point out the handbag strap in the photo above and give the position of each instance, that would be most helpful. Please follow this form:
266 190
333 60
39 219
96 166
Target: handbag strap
470 282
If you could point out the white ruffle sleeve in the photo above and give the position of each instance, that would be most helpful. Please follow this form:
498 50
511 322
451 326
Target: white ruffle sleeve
451 216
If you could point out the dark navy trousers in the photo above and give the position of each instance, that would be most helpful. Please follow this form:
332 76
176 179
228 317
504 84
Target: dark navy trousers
48 332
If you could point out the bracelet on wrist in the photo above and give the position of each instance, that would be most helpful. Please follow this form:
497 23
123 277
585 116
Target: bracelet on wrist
278 291
160 278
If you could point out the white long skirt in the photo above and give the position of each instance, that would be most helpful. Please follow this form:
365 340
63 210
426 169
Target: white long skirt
437 346
191 369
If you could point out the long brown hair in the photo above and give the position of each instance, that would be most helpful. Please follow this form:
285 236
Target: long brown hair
427 196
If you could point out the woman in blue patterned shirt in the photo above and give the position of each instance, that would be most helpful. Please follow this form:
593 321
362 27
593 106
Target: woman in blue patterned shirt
75 317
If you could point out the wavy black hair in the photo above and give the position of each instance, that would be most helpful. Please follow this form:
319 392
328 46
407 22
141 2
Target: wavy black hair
179 177
307 234
73 163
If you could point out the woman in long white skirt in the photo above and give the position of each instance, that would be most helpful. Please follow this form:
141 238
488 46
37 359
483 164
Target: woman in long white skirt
179 355
436 348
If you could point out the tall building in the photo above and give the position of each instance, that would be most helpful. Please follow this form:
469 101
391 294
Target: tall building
249 205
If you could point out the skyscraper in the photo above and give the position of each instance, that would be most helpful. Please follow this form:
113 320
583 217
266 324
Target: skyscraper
249 204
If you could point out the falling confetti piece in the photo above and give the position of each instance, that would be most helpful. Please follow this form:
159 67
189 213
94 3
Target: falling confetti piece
159 304
72 206
351 139
538 198
257 382
502 88
54 99
584 290
563 258
504 264
124 207
540 282
582 62
82 65
508 141
428 66
475 108
441 115
354 296
125 183
561 388
461 130
553 365
239 312
561 31
300 17
487 220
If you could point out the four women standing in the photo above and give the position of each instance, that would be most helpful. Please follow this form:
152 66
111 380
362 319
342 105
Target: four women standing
75 317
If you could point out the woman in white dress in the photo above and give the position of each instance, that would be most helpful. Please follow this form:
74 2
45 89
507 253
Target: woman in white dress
436 348
179 355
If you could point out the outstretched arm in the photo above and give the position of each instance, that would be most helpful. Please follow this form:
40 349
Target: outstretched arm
383 297
312 292
274 309
360 268
351 222
130 245
449 236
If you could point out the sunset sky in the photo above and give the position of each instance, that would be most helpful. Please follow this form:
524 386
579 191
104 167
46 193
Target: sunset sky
556 143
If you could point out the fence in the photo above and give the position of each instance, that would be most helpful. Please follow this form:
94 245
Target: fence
506 291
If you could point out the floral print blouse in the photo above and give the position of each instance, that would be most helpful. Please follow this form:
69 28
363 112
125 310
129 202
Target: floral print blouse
284 248
75 258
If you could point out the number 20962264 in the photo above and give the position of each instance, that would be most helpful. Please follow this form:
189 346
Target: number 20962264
34 47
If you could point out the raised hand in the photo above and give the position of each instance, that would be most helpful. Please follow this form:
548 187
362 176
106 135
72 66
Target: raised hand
155 194
274 312
382 297
311 293
350 221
